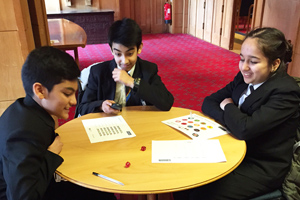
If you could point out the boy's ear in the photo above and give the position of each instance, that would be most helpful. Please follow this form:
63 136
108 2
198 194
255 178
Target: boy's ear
140 48
39 90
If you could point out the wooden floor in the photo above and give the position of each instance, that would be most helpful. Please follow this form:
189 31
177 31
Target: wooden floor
238 39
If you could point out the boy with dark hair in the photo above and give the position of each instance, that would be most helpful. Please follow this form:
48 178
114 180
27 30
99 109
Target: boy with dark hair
127 79
29 147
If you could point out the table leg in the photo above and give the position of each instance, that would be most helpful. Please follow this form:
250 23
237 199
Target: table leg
142 197
165 196
126 197
151 196
76 56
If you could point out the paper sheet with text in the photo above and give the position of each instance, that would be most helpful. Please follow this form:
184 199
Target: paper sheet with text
107 128
187 151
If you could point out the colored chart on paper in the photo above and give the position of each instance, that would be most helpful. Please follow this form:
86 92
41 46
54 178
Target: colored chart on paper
196 127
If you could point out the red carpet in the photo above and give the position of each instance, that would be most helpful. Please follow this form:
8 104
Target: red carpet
190 68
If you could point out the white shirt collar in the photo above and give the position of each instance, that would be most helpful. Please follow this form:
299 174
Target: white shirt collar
256 85
130 72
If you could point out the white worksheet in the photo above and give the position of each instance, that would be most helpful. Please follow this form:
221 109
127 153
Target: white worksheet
107 128
187 151
196 127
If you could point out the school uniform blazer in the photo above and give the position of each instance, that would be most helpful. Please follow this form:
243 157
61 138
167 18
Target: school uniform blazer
26 166
101 87
267 121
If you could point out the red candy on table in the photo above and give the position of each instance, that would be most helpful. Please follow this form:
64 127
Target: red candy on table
143 148
127 164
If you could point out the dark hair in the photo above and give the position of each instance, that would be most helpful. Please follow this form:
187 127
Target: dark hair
273 44
48 66
126 32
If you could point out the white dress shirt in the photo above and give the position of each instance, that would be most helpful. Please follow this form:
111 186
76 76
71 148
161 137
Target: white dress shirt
247 92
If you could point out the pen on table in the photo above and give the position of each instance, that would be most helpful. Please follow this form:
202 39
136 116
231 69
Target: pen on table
107 178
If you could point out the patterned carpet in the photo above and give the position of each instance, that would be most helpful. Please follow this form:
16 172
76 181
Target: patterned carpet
190 68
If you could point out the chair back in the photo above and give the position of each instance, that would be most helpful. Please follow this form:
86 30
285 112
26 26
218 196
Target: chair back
82 83
291 184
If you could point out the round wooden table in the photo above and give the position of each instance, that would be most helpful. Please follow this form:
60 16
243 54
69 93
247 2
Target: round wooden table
66 35
81 157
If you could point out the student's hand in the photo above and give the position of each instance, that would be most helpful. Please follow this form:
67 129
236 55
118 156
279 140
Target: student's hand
56 145
122 76
107 109
225 102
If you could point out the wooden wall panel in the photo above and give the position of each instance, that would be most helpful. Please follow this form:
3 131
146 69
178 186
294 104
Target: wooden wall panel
258 13
285 16
148 14
212 21
110 5
142 16
127 9
185 15
227 35
217 22
7 16
157 17
192 23
11 61
23 22
294 68
288 18
179 16
16 41
200 19
39 22
208 21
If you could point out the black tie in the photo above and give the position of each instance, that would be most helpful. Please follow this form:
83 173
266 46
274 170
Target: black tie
251 88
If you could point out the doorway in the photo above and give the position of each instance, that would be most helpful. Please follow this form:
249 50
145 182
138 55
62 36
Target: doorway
243 21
